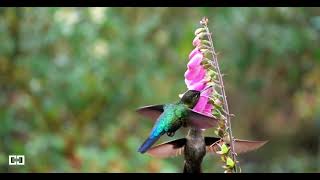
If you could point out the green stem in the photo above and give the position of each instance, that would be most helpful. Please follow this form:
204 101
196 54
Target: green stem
225 102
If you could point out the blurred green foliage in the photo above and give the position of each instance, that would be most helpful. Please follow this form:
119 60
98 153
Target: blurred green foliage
71 78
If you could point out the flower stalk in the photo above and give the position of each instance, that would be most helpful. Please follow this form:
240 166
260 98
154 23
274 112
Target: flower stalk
225 102
203 71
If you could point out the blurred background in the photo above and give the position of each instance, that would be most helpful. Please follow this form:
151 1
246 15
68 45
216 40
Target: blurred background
71 79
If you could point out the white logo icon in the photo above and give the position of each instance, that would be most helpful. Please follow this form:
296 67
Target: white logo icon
16 160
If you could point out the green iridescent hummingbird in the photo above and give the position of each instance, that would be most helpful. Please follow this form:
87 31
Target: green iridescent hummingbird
170 117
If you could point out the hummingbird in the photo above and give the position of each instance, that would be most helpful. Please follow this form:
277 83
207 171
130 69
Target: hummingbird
170 117
195 146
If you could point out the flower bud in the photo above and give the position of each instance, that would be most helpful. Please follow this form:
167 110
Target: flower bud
199 30
220 133
230 163
218 102
226 139
204 21
205 42
201 35
196 41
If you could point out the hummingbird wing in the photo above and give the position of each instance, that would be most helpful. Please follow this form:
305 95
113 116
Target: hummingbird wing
168 149
194 119
200 121
240 146
152 111
176 147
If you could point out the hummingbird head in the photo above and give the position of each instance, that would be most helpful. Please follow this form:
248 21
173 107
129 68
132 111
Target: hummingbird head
191 97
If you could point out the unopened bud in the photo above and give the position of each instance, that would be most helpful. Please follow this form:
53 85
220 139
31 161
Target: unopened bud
201 35
218 102
204 21
205 42
199 30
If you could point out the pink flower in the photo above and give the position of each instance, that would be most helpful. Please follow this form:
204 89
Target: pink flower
195 75
195 85
195 80
195 60
196 41
193 52
203 105
195 72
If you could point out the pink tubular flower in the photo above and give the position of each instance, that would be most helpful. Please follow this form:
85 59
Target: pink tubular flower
203 105
193 52
195 80
196 41
195 60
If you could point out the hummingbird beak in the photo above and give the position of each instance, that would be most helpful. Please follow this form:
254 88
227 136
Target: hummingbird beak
208 87
181 95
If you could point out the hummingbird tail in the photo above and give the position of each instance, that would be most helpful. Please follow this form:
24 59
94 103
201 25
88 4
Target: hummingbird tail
147 144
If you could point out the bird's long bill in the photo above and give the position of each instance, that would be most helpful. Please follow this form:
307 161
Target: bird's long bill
203 90
176 147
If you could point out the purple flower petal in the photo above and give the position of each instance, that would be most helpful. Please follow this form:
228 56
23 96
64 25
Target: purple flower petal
193 52
196 86
195 61
195 79
190 74
195 75
199 107
203 104
208 109
196 41
207 92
